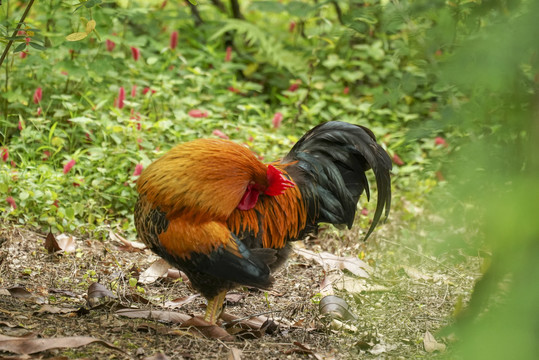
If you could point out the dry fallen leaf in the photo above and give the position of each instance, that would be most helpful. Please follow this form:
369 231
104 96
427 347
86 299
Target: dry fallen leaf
335 307
330 261
431 344
62 242
195 325
176 303
127 245
67 243
97 291
155 271
22 345
234 298
304 349
19 292
51 245
234 354
56 310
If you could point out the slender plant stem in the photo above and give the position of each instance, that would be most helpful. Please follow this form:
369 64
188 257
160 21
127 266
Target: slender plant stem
8 46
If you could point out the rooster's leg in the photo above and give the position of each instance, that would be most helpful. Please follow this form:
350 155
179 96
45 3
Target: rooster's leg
214 308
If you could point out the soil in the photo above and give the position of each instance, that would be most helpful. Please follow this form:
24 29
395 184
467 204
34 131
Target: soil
411 291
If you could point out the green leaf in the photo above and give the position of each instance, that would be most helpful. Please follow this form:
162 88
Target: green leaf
37 46
194 2
91 3
20 47
70 213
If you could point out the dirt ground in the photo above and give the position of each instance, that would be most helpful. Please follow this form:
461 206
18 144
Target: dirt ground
409 294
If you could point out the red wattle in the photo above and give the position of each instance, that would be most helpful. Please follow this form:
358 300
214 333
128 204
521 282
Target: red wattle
249 199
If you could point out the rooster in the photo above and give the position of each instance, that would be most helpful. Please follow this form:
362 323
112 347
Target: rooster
213 210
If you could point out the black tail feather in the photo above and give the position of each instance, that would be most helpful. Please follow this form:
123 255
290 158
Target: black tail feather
329 163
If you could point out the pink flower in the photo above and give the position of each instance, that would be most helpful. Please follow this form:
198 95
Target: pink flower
23 54
13 163
11 202
4 154
46 155
364 211
397 160
228 55
38 94
440 141
38 111
173 40
233 89
121 97
277 119
19 125
134 91
110 45
346 90
220 134
69 165
294 86
138 170
146 89
292 26
135 52
195 113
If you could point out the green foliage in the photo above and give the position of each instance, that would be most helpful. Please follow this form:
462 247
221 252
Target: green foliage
315 70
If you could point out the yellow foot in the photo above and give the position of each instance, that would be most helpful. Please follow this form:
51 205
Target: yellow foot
215 307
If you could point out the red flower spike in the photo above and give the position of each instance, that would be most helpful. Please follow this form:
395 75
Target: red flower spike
293 87
440 141
38 94
134 91
110 45
292 26
173 40
277 119
195 113
23 54
397 160
346 90
220 134
135 52
4 154
11 202
121 98
38 111
277 182
69 165
138 170
228 55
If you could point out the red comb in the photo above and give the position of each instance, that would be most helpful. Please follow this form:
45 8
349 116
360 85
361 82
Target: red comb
277 182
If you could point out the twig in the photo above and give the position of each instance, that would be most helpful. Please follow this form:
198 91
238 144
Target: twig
8 46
